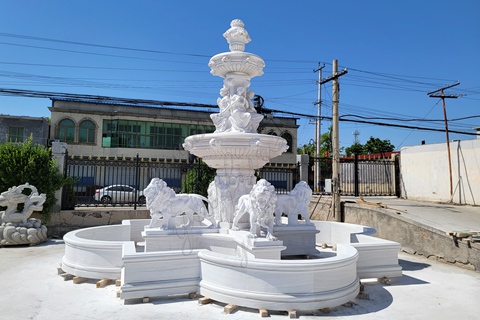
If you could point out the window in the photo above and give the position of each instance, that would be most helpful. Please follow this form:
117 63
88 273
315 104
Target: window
152 135
287 136
86 133
15 134
66 130
272 133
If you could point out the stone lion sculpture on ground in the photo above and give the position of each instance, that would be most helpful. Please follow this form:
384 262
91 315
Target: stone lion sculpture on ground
293 204
162 201
260 205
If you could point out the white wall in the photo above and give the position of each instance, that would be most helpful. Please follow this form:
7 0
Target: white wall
425 172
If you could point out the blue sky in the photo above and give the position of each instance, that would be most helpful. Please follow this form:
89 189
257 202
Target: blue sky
395 52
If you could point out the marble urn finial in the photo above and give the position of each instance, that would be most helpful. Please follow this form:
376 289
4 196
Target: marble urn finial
237 36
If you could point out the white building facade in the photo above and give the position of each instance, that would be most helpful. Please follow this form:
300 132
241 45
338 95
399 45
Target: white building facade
113 129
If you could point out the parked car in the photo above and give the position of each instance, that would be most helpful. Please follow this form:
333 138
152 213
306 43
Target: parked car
119 193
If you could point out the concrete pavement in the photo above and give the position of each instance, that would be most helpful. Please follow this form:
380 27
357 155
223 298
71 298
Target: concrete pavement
32 289
443 217
429 289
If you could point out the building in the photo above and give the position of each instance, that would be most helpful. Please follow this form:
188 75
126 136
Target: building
19 128
109 128
115 142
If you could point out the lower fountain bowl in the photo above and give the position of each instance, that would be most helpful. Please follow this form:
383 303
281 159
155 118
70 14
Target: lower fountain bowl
281 284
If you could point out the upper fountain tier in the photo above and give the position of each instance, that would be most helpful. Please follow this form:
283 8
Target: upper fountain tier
235 142
236 61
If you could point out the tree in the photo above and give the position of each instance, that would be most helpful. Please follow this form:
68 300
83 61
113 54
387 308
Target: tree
30 162
326 146
307 149
356 148
375 145
198 179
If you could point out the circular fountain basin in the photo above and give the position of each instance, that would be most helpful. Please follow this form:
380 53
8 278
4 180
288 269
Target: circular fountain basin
96 252
281 284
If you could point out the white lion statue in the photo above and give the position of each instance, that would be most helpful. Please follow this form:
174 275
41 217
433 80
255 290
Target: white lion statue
293 204
260 205
162 201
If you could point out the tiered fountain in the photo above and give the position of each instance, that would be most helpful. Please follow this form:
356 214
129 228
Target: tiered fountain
240 251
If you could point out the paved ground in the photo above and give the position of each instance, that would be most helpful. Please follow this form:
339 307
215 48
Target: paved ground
32 289
444 217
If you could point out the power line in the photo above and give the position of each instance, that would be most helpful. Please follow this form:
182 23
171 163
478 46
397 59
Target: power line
53 95
57 95
99 45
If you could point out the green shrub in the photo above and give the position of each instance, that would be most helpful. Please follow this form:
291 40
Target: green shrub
198 183
30 162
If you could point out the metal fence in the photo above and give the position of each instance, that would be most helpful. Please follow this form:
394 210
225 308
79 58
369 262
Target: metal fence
379 177
370 177
120 181
283 177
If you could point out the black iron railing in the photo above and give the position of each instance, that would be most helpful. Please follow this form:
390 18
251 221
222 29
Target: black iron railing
112 181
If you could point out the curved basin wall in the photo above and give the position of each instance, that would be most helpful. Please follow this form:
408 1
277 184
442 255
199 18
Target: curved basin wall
96 252
281 284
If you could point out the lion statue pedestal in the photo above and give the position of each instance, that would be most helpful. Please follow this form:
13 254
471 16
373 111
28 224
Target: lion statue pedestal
174 217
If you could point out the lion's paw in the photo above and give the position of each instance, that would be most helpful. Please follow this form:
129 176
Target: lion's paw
271 238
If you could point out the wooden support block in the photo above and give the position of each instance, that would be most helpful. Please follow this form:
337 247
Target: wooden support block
192 295
118 282
384 280
204 300
66 276
103 283
78 280
475 239
146 300
60 270
119 292
364 296
292 314
230 308
461 234
263 313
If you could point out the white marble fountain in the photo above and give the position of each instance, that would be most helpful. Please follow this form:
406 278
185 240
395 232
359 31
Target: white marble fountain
248 248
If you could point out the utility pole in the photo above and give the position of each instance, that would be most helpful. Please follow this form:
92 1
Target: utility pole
335 138
442 96
318 132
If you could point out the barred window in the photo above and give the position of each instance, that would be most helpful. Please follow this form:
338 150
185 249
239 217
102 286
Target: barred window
15 134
